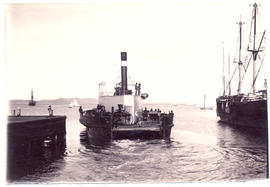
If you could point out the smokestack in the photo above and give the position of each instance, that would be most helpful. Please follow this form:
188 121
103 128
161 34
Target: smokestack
124 73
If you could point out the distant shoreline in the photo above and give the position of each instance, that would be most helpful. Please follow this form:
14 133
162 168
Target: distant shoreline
92 101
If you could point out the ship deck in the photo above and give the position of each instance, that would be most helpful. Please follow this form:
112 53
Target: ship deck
136 128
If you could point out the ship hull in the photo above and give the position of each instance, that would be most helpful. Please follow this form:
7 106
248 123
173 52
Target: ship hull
135 132
249 114
98 128
99 135
32 103
244 121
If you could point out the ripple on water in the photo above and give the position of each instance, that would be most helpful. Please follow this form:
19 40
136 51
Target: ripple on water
200 150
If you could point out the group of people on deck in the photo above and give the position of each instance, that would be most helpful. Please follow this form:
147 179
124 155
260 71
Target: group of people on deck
138 89
153 114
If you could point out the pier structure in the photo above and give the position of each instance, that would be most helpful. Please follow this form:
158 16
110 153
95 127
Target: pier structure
26 130
32 140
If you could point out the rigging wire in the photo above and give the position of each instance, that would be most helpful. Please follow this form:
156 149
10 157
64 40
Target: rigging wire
246 67
257 72
231 78
257 54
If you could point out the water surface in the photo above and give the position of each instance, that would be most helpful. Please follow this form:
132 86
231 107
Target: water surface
201 149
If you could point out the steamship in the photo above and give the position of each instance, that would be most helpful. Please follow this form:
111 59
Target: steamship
249 110
121 116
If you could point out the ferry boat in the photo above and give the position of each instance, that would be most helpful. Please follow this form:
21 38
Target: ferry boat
249 110
121 116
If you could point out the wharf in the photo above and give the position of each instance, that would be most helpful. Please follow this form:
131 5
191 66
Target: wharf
28 129
29 138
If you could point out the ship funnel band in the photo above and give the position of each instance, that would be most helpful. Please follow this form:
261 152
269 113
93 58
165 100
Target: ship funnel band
123 56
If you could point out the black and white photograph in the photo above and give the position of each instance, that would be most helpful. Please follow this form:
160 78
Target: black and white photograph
134 92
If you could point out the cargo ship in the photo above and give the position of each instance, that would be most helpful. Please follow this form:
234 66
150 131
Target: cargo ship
250 109
120 115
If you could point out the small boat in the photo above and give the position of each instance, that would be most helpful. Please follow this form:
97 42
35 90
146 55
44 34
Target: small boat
73 103
204 107
32 102
121 116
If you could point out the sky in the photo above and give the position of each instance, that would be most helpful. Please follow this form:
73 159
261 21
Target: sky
174 48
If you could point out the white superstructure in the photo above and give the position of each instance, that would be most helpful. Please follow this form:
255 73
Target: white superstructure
131 102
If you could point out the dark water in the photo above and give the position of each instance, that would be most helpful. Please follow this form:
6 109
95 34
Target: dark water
201 150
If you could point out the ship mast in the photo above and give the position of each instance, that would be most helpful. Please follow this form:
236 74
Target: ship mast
204 98
32 96
254 51
223 71
239 62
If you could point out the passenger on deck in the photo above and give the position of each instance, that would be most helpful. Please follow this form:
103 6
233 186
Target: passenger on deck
145 114
81 110
136 89
120 108
139 89
171 114
159 112
100 108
